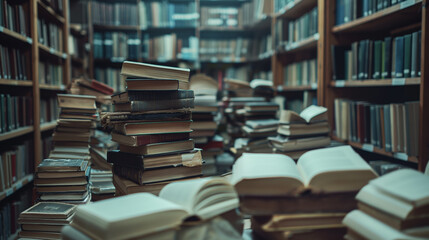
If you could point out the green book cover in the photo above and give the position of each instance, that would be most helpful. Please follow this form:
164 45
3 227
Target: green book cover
377 60
383 58
407 55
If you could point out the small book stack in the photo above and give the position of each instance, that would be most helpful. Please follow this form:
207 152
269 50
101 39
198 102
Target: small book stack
63 180
205 118
75 127
152 124
45 220
262 88
394 206
304 199
101 91
101 184
298 133
146 216
238 88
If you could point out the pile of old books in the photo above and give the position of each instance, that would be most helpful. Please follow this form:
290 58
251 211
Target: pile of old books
45 220
152 124
298 133
75 127
205 120
394 206
189 202
63 180
101 91
303 200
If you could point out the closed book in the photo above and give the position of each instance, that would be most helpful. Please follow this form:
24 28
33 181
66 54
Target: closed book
377 60
399 57
51 189
146 128
61 165
159 174
147 162
131 95
145 70
414 54
142 106
76 101
60 181
96 85
159 148
407 55
155 84
387 58
148 139
164 115
286 144
303 129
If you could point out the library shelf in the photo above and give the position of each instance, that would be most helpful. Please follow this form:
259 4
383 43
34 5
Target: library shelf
284 88
397 15
16 133
376 82
374 149
48 126
16 186
19 83
296 9
51 51
76 61
305 44
115 27
168 29
52 87
51 12
4 32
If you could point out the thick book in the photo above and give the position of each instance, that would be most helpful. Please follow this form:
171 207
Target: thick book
164 115
407 56
62 165
48 210
159 148
146 128
261 106
143 106
159 174
148 139
148 162
203 125
131 95
60 181
96 85
263 123
400 204
290 144
76 101
328 170
137 69
399 57
294 130
310 114
155 84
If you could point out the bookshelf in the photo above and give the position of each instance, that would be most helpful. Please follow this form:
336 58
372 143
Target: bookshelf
396 21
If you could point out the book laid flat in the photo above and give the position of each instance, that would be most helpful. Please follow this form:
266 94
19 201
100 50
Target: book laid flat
261 106
152 116
155 84
135 95
137 69
263 123
76 123
65 165
203 125
123 217
159 148
72 196
49 210
328 170
96 85
399 199
291 144
303 129
310 114
148 139
142 106
76 101
144 128
60 181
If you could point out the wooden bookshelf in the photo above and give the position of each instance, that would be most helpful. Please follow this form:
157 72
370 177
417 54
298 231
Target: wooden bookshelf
16 186
48 126
51 12
19 83
16 133
4 32
376 82
282 88
295 9
51 51
306 44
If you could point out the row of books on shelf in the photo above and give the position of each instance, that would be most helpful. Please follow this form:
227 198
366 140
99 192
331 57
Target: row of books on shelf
14 63
50 74
111 77
349 10
281 4
13 16
49 110
17 111
50 34
170 47
15 163
300 73
168 14
117 14
393 57
393 127
9 213
56 5
303 27
117 45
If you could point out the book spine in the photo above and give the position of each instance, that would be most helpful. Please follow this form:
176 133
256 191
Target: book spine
125 159
132 174
138 106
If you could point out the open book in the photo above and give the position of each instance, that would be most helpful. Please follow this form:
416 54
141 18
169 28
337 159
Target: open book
400 199
310 114
337 169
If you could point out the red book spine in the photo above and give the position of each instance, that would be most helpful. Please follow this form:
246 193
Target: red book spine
101 87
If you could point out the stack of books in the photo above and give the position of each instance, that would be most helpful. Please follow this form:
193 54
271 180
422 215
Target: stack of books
153 128
394 205
238 87
63 180
298 133
262 88
197 201
304 199
205 120
101 91
75 127
101 184
45 220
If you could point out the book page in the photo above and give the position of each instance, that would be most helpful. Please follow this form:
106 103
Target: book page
260 165
312 111
406 184
335 159
288 116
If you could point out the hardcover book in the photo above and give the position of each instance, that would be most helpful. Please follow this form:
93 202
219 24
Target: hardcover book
137 69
